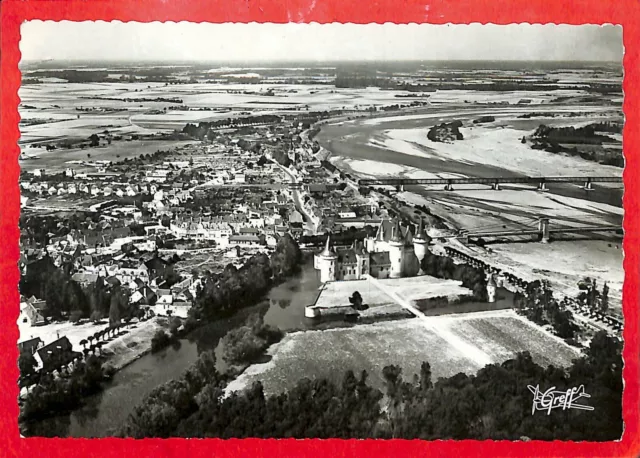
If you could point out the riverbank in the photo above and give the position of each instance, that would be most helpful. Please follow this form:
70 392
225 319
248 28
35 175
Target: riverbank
135 343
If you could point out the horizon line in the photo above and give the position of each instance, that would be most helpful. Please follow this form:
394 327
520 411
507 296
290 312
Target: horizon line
133 60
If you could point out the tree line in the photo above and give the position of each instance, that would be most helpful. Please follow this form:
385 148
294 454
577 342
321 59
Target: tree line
443 267
232 289
586 134
202 129
539 306
495 403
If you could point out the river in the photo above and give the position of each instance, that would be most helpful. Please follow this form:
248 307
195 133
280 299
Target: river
352 141
104 413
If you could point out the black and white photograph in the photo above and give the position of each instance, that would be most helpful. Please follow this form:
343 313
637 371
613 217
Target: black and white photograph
321 231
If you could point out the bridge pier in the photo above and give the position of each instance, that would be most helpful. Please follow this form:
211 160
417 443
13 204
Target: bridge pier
448 187
542 186
496 186
588 186
543 227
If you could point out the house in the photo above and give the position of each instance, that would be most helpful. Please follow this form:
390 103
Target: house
249 231
317 189
55 354
296 217
30 315
164 296
346 213
148 296
182 285
156 230
136 297
247 240
30 346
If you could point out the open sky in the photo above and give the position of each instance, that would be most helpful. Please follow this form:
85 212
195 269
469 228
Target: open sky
321 42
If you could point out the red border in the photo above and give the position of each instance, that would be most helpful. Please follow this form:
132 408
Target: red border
13 12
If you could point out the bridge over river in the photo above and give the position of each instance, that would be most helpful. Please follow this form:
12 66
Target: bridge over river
542 232
494 182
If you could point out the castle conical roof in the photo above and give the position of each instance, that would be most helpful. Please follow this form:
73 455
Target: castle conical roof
328 252
380 233
421 232
408 237
396 234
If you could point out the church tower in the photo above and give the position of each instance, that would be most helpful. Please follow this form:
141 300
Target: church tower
396 252
327 262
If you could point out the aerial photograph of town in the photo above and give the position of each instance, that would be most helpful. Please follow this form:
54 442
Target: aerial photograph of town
321 231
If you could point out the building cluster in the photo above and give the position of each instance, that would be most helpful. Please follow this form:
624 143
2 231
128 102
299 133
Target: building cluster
394 252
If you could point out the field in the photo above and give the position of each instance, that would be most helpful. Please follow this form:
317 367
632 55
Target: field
117 151
498 335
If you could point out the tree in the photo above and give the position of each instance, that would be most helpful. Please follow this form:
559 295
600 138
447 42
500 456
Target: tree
94 140
96 316
75 316
174 325
114 310
356 301
604 298
425 377
392 377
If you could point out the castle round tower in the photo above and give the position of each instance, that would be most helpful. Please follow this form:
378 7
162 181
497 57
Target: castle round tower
421 242
396 252
327 263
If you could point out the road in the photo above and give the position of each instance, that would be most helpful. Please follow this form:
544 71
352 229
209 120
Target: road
311 227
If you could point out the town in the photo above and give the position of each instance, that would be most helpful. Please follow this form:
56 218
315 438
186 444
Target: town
247 235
